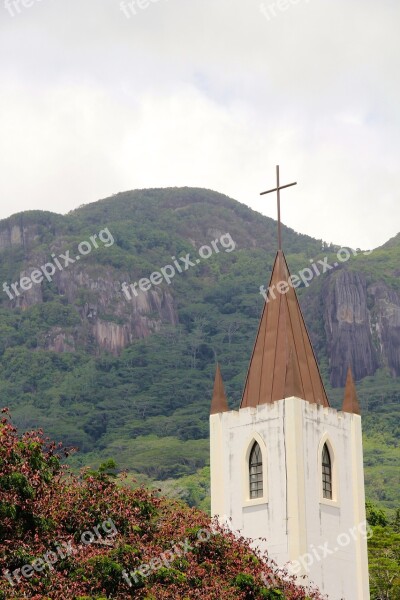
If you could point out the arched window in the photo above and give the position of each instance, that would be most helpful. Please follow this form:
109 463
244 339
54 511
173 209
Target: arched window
326 473
256 472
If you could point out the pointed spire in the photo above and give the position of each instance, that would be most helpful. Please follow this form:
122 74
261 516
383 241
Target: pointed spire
350 402
293 385
219 403
281 330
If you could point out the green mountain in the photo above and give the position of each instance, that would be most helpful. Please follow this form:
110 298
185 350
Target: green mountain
128 374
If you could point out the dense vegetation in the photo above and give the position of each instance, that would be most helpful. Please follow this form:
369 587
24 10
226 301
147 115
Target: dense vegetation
148 406
384 554
84 538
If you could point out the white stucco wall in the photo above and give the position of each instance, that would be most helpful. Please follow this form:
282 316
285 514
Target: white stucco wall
297 522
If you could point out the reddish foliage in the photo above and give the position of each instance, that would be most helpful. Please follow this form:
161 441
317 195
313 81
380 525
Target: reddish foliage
42 504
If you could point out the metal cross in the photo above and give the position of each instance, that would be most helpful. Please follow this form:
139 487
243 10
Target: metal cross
277 190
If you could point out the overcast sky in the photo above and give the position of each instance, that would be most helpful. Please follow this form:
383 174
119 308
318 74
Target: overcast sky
210 93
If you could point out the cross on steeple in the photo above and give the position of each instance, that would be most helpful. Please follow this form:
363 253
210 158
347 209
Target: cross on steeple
277 190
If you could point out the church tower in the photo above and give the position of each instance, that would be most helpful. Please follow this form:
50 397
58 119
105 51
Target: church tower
286 466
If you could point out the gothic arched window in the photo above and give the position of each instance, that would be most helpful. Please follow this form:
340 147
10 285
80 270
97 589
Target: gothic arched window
256 472
326 473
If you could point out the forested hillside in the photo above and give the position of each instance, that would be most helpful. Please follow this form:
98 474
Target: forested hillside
130 378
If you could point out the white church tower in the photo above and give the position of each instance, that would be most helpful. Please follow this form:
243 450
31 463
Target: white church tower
286 466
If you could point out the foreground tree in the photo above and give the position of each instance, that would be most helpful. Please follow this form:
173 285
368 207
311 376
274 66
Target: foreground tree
85 538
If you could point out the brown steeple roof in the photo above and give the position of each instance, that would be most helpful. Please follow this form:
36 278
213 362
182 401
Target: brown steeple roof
293 385
219 402
350 402
283 362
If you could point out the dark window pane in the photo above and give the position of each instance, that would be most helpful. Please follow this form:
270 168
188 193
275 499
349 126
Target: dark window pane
326 473
256 472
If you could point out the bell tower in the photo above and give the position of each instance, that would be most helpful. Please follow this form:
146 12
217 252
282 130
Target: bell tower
286 466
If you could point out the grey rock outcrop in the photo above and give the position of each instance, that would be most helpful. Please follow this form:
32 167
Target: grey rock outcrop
362 326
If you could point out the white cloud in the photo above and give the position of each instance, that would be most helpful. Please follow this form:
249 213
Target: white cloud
206 94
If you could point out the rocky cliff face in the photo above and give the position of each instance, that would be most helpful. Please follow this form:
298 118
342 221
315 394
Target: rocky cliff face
17 235
348 327
362 326
108 319
127 319
385 320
